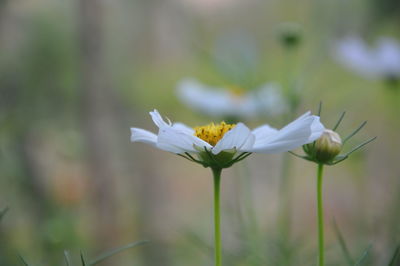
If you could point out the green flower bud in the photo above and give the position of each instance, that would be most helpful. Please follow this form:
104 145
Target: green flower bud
328 146
289 34
392 82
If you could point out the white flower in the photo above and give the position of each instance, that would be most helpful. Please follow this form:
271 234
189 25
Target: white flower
181 139
230 103
381 61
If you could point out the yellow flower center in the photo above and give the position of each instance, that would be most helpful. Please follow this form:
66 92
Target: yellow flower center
212 133
237 91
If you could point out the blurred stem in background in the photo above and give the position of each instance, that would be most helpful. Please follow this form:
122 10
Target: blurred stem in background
96 120
285 205
290 37
392 103
26 88
250 225
3 4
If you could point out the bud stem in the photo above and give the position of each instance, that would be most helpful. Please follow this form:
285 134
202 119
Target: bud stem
320 214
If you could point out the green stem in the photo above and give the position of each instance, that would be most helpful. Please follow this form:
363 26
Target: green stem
217 218
320 211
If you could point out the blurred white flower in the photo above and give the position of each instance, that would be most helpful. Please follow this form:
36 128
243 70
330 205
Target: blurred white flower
215 138
381 61
216 102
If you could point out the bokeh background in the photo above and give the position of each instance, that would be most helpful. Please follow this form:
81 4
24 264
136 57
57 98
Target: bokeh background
76 75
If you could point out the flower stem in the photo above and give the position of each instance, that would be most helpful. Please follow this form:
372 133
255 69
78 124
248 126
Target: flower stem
320 215
217 219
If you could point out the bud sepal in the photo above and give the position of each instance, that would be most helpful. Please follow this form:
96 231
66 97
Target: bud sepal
326 150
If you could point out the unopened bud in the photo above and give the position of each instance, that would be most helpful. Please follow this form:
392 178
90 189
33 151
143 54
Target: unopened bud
289 34
392 81
328 146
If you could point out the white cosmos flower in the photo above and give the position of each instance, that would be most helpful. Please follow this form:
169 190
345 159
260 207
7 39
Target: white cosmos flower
381 61
181 139
218 102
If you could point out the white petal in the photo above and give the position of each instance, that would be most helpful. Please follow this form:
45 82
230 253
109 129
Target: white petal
141 135
178 141
157 119
262 134
240 136
316 128
184 128
303 130
177 138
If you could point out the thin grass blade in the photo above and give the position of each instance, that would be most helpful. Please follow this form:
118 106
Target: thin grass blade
116 251
342 244
83 261
3 212
23 260
363 256
395 257
67 258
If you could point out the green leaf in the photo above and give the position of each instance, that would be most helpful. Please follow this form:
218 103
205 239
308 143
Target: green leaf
395 257
363 256
342 243
116 251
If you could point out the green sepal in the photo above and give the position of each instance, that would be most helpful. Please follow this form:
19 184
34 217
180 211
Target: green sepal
206 158
220 160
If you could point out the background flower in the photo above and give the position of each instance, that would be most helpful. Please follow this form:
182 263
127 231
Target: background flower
234 102
379 61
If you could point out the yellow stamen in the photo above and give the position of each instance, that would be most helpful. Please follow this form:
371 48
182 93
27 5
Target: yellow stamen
212 133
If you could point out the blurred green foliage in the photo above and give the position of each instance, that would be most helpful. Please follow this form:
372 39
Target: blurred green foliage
147 47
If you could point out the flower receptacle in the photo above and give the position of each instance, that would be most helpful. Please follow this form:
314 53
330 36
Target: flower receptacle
220 160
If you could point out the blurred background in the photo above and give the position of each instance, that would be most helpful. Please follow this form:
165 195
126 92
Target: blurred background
76 75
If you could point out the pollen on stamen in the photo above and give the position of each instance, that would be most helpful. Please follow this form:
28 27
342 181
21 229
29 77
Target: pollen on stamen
212 133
